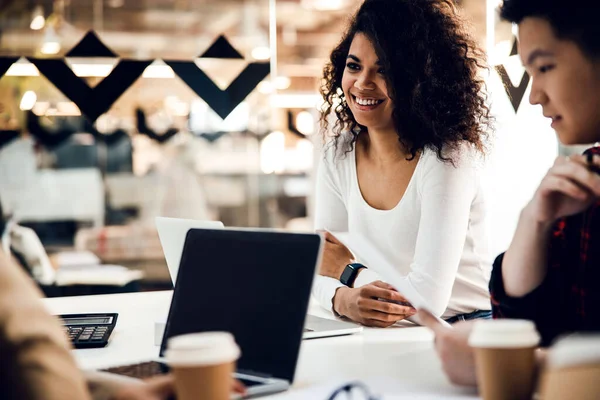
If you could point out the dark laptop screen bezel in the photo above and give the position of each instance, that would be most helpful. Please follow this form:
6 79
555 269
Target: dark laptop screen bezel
266 275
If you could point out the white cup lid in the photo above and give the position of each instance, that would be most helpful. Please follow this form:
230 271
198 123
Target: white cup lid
202 349
504 333
575 350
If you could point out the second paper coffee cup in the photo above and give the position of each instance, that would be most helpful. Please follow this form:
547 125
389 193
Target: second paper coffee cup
573 369
203 364
505 358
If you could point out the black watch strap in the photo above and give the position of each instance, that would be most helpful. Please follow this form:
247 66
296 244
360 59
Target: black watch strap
350 273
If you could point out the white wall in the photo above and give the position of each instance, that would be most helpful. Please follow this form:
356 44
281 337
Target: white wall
524 147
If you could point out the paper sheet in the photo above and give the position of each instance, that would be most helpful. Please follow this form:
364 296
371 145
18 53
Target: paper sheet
383 388
360 244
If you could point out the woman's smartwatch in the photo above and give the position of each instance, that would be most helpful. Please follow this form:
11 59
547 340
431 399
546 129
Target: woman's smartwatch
350 273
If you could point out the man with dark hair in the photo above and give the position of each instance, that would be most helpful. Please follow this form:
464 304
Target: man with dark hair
575 21
551 272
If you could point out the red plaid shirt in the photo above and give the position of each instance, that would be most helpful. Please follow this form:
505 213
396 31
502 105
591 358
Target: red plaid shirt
568 300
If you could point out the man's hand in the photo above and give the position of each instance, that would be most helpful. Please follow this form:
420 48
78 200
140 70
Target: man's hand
335 257
372 305
568 188
160 388
452 346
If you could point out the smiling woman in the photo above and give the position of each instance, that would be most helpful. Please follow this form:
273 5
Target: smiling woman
429 67
402 164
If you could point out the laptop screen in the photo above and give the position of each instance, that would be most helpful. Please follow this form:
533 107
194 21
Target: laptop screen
253 284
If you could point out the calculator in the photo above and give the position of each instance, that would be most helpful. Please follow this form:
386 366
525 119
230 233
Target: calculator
89 330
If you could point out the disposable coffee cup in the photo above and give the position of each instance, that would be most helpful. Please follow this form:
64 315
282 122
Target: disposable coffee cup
202 365
505 358
573 369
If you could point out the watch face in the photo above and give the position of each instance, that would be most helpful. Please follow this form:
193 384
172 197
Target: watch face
346 275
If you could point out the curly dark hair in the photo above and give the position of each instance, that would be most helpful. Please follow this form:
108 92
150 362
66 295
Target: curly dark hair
431 66
574 20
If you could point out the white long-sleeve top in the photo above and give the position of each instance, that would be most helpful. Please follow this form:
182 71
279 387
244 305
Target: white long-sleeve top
435 236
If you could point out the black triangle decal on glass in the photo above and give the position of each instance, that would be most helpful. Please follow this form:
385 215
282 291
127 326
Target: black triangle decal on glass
92 102
47 138
144 129
5 63
223 102
292 126
514 50
515 93
221 48
91 46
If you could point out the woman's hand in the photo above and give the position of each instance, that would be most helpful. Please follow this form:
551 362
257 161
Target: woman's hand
161 388
568 188
452 346
372 305
335 257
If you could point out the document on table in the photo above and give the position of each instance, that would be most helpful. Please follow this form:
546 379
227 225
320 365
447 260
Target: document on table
383 389
378 263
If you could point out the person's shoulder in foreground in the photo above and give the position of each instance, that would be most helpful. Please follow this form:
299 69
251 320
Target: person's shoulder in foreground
34 361
549 272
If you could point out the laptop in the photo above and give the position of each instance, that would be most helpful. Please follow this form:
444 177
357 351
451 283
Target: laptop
246 283
172 233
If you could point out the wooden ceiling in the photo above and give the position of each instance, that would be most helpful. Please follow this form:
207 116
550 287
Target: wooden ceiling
182 29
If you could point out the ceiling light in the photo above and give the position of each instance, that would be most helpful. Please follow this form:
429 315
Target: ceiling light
51 44
261 53
158 70
305 123
28 100
282 82
92 70
265 87
22 68
37 19
50 48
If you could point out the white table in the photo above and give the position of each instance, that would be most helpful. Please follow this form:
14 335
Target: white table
403 353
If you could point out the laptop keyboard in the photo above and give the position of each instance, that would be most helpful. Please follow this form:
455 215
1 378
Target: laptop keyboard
149 369
141 371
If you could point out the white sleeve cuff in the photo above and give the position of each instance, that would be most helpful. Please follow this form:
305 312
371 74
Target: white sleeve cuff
324 289
366 276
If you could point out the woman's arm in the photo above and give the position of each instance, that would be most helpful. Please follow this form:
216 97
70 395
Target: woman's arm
447 194
330 214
